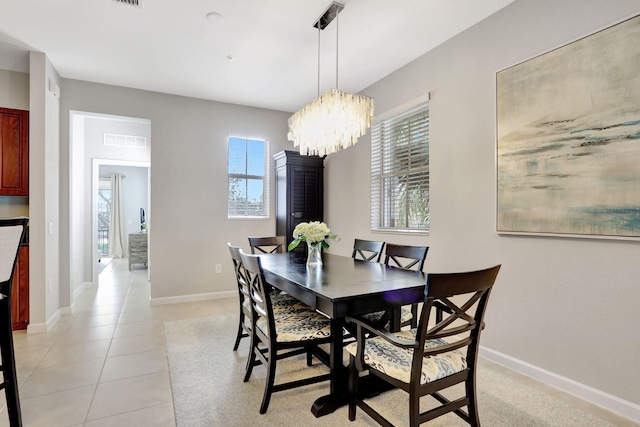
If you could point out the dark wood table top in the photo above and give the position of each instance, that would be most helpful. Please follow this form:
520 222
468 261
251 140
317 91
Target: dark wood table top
343 286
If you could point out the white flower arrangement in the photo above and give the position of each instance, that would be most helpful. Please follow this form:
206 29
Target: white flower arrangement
314 233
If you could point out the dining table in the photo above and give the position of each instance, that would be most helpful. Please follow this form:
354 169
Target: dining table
340 287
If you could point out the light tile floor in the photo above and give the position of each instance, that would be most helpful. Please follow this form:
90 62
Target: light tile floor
106 364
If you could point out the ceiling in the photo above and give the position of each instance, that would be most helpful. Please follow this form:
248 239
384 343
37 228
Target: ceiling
173 47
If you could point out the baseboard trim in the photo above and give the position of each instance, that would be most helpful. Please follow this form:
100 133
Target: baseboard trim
35 328
81 288
608 401
193 297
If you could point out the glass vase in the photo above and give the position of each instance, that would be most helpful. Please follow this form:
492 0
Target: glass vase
314 255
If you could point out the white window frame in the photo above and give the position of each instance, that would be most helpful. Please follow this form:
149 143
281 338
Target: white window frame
385 214
265 180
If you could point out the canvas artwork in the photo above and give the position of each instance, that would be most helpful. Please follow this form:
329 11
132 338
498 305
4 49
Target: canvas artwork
568 135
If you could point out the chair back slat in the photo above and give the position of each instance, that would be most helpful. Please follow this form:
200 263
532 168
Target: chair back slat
268 245
407 257
259 290
241 280
456 313
449 284
367 250
466 311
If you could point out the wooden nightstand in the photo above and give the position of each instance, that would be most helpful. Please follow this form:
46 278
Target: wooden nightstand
138 249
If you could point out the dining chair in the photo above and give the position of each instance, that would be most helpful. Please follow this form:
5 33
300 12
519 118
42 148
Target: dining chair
280 301
371 251
425 360
244 323
409 258
278 335
367 250
11 234
268 245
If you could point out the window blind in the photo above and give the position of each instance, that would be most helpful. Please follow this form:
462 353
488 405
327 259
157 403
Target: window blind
400 169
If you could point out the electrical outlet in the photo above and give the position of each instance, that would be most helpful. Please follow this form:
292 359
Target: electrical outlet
218 268
51 228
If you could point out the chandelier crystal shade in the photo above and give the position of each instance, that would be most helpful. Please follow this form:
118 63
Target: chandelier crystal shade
330 122
334 120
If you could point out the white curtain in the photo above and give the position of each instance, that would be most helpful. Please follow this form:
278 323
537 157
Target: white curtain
117 233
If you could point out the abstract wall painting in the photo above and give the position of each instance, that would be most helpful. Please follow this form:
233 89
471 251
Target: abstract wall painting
568 136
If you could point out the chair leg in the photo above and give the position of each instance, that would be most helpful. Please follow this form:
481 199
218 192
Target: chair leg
414 409
271 375
251 358
470 386
9 366
414 315
309 357
240 331
353 388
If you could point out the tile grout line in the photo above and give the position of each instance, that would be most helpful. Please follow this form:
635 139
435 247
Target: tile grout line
104 362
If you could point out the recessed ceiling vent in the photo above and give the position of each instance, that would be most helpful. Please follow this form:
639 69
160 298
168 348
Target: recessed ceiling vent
129 2
131 141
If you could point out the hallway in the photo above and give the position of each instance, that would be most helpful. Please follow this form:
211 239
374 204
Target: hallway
105 365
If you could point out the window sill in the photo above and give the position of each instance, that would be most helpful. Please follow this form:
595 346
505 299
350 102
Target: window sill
248 218
400 231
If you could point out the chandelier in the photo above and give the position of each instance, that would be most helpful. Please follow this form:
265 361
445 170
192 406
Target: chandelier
335 120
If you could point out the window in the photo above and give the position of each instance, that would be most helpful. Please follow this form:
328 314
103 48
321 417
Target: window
248 178
400 169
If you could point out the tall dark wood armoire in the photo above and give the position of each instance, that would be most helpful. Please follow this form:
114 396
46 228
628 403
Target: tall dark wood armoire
299 191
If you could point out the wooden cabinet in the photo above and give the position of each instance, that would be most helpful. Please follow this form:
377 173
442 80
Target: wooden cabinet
299 191
20 291
14 152
138 249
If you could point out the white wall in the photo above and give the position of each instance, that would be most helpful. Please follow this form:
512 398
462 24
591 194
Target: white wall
44 149
72 224
190 229
564 305
14 90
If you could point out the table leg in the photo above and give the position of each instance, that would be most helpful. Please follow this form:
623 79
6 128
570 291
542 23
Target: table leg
339 394
395 319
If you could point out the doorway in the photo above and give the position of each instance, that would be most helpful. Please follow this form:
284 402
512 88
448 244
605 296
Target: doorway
98 139
134 213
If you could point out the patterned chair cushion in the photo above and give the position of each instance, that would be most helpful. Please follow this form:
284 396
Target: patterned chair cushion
376 317
282 303
300 325
285 302
396 362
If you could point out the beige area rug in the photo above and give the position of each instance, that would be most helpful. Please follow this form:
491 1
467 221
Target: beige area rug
206 380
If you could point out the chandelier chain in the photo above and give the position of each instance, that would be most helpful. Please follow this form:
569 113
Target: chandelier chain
337 32
319 60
